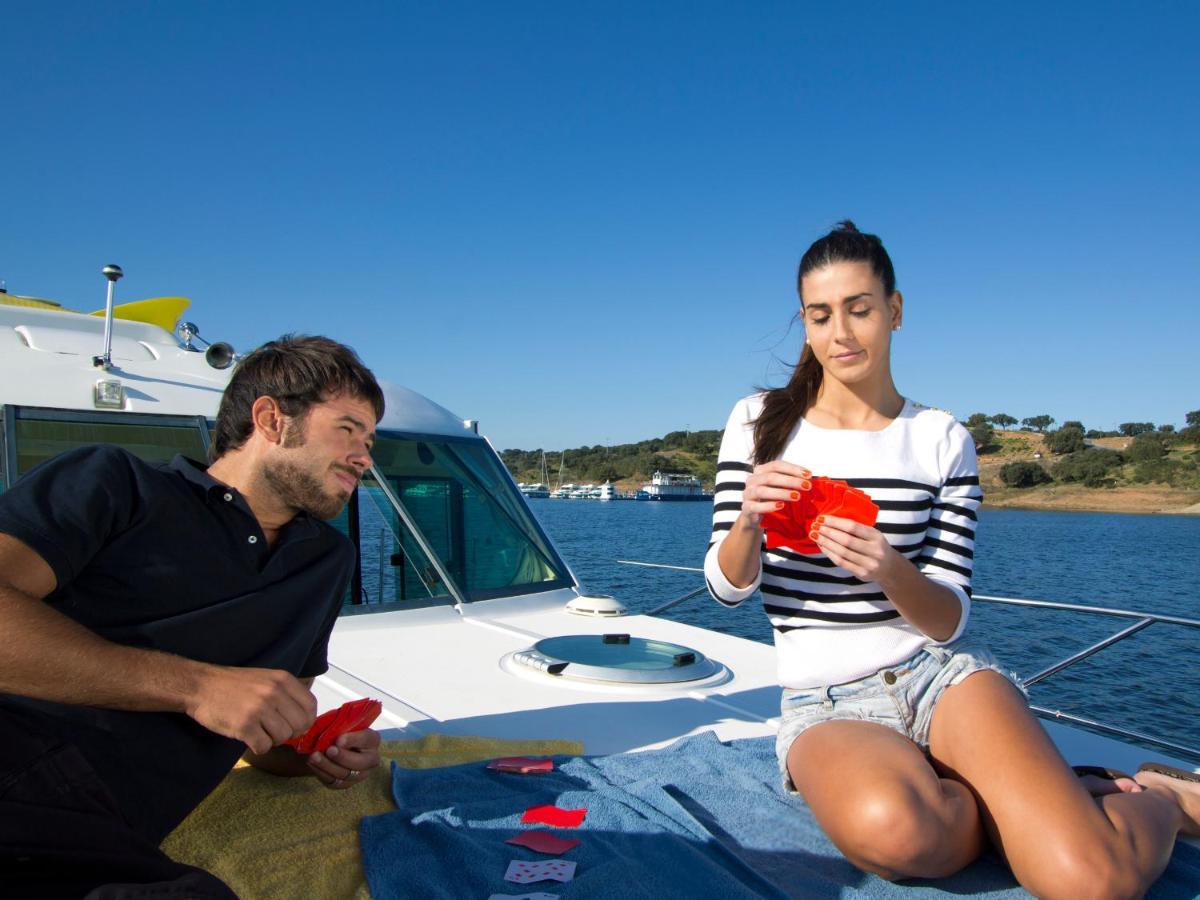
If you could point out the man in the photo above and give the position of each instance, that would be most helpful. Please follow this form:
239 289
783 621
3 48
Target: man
158 622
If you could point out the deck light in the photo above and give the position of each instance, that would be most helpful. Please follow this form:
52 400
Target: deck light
109 394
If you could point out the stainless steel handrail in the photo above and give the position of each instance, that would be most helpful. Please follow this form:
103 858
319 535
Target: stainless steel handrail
1145 620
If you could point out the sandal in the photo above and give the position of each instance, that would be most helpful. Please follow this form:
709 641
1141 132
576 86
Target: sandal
1170 771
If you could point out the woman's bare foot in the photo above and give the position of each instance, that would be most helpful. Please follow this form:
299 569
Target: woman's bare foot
1183 785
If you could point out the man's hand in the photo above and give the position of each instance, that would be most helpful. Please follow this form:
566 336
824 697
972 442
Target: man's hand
260 707
347 760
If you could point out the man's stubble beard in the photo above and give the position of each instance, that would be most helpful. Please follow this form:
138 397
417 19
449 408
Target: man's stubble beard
296 487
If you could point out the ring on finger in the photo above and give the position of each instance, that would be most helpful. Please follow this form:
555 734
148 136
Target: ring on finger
353 773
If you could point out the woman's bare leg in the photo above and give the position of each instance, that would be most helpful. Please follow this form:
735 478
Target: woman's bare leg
1058 840
881 803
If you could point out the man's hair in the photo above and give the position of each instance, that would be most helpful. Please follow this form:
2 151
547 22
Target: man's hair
298 371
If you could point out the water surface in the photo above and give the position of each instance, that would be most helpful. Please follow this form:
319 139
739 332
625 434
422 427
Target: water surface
1146 683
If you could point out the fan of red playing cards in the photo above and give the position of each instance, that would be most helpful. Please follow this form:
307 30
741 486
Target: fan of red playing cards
329 726
790 527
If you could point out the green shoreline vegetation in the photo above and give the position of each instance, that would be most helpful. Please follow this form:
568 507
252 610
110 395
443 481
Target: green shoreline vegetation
1140 467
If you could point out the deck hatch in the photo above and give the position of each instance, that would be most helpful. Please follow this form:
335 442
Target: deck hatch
622 659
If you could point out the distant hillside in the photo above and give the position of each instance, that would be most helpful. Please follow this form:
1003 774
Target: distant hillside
1170 484
629 466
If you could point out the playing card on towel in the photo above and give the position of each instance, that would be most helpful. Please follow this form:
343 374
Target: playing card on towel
553 815
543 842
522 765
523 872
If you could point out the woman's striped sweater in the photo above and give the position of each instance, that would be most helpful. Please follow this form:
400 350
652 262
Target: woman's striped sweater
830 627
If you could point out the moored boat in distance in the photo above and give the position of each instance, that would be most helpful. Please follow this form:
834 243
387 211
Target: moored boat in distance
673 486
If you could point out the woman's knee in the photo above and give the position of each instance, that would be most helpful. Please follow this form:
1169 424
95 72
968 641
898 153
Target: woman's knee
904 832
1077 870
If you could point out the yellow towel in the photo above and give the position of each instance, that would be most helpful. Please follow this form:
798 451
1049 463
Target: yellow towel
269 837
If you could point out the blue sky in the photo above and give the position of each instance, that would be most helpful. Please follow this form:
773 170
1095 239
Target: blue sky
579 223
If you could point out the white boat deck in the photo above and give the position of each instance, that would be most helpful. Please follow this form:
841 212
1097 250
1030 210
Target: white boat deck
438 671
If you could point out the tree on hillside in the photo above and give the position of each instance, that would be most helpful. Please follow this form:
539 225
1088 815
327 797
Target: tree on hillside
1193 418
1023 474
1003 420
1065 440
1133 429
977 420
1091 466
1072 424
1041 423
1166 429
982 434
1146 446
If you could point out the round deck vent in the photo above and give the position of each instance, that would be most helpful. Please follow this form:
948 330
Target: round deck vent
616 658
603 605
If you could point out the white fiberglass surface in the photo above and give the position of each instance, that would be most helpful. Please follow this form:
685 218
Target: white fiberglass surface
449 671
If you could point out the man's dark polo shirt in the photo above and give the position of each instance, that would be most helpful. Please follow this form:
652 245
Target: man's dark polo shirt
166 558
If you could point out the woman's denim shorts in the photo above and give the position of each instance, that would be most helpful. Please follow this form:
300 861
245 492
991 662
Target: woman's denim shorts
900 697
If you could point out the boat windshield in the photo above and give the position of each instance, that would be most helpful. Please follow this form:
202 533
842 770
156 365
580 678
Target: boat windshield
472 527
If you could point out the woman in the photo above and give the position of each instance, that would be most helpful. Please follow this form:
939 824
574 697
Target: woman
908 742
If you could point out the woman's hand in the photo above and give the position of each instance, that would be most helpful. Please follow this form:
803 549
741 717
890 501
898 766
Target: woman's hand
770 486
861 550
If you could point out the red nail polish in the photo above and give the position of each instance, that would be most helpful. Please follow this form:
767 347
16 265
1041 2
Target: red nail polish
779 505
795 495
806 485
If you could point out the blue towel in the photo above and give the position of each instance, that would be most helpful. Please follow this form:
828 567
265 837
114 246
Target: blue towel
700 818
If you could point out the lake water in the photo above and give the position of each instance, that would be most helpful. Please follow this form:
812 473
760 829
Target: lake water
1148 682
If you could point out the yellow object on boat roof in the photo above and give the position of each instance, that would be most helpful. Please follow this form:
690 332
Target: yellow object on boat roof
161 311
31 302
164 312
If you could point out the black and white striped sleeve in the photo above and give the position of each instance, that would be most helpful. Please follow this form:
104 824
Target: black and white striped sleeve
948 552
733 466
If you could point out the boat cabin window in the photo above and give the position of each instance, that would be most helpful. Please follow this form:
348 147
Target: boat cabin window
471 516
33 435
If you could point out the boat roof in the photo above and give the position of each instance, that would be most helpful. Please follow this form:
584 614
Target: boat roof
414 413
47 352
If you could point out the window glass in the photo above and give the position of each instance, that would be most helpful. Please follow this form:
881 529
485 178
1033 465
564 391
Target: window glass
471 515
39 439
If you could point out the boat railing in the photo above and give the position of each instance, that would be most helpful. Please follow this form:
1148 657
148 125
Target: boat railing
1141 621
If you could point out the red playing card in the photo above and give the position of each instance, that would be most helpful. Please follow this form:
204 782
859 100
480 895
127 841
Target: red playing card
790 527
356 715
552 815
329 726
858 506
543 842
365 712
523 765
305 742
